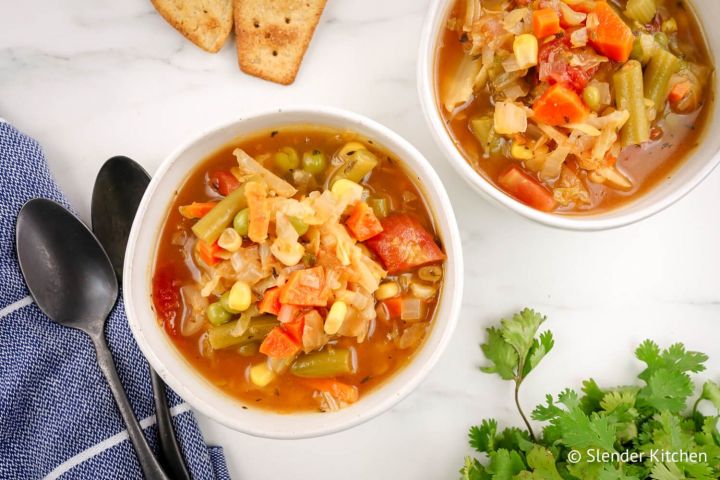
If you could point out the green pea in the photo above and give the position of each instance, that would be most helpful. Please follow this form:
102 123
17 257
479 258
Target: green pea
241 223
224 302
591 96
314 162
287 159
217 315
299 226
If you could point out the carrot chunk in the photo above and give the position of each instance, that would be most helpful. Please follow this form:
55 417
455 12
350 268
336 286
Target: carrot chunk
545 23
196 209
305 288
295 329
363 223
611 36
527 189
404 244
678 91
270 302
279 344
209 252
394 307
341 391
559 105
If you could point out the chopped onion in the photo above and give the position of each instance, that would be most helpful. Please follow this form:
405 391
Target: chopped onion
570 16
412 309
509 118
412 336
287 313
194 306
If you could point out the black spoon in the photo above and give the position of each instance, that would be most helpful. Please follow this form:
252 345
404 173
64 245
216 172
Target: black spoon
72 281
119 187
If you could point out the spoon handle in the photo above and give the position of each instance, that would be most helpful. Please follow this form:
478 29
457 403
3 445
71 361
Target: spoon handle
169 448
148 463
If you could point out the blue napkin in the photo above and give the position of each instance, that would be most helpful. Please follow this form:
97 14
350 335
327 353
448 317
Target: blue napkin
58 418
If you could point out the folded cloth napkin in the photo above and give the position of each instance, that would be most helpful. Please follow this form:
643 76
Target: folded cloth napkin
58 418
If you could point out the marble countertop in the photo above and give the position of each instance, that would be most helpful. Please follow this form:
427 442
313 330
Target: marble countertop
91 80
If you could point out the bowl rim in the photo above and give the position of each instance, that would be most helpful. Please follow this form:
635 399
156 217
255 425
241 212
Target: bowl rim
444 216
437 11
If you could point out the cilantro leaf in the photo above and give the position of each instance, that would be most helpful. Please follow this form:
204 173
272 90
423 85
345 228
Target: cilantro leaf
505 464
503 358
473 470
542 463
482 438
666 390
593 394
711 392
519 332
538 350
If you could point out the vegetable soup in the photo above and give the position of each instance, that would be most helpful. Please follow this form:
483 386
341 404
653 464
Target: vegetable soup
574 106
298 268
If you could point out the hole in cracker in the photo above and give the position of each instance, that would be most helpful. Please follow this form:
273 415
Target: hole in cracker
274 53
256 24
287 20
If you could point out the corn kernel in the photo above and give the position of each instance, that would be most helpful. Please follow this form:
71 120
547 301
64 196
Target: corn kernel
351 147
230 240
387 290
335 317
520 152
261 375
525 48
240 296
343 187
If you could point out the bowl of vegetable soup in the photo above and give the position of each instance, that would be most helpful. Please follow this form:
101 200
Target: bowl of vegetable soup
579 114
294 273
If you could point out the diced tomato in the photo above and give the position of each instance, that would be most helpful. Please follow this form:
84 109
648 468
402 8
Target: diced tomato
166 298
554 65
363 223
209 252
270 302
305 288
394 307
224 182
287 313
527 189
341 391
295 329
404 244
279 344
197 209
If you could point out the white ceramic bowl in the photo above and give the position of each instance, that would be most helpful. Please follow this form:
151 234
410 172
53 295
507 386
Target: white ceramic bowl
184 378
689 175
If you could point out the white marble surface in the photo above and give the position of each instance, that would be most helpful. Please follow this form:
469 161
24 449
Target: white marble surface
94 79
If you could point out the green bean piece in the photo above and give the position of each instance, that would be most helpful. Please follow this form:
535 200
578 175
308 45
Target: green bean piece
661 67
224 302
221 336
641 10
327 363
591 97
380 207
286 159
300 227
314 162
209 227
249 349
628 83
241 222
217 315
356 164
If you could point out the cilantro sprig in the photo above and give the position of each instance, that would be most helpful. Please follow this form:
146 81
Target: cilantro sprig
583 434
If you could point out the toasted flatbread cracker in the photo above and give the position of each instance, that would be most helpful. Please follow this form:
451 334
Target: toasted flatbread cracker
206 23
273 35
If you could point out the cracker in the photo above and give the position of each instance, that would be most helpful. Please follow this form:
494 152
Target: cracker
273 35
206 23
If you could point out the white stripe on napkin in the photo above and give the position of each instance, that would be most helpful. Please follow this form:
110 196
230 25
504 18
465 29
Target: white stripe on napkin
13 307
108 443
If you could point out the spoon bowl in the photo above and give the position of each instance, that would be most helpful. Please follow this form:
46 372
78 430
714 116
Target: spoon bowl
67 272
